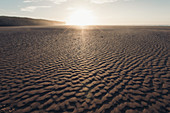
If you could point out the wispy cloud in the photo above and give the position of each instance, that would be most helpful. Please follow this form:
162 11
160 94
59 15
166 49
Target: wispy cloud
54 1
58 1
106 1
28 1
102 1
33 8
62 1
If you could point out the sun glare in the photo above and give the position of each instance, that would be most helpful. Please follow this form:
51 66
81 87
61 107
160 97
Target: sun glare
81 17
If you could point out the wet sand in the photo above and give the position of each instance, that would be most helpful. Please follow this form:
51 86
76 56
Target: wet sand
96 70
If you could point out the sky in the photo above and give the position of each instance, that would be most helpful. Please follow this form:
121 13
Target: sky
103 12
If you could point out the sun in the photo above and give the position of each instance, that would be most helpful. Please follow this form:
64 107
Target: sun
81 17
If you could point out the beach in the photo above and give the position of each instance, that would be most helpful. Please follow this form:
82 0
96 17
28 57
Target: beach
94 69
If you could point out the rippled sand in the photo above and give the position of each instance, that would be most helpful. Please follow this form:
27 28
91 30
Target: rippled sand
95 69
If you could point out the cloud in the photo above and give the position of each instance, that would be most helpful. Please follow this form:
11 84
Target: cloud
58 1
102 1
54 1
70 8
106 1
28 1
33 8
62 1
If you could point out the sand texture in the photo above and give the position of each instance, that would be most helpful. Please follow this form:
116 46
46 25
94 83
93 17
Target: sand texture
93 70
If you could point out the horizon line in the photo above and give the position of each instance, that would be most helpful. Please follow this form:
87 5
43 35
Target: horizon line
87 25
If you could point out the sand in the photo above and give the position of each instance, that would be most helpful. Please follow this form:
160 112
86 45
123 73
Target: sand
96 70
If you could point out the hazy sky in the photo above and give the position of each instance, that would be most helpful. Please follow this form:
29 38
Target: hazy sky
114 12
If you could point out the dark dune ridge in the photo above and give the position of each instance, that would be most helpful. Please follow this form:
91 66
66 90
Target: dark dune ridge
94 70
21 21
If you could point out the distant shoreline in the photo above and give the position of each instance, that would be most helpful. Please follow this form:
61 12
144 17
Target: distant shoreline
7 21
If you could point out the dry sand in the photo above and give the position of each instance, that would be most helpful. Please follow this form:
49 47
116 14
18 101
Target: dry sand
97 69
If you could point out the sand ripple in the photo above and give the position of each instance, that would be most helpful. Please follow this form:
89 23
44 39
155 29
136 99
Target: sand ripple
101 70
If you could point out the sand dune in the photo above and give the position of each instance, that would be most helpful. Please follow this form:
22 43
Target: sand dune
94 70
